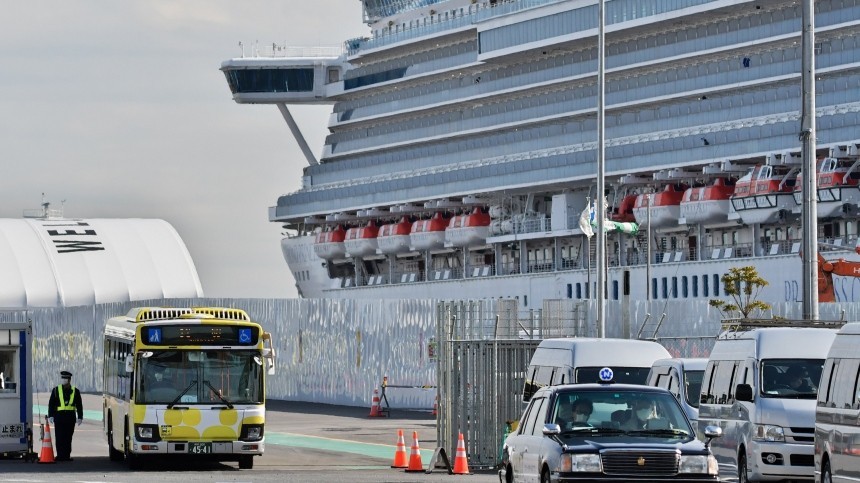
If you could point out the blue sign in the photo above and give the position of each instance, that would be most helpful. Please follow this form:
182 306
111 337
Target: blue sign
246 336
606 374
154 335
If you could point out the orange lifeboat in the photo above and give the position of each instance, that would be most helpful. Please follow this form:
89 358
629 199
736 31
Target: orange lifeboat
361 241
428 234
836 187
468 230
328 244
665 207
624 214
707 204
764 194
394 237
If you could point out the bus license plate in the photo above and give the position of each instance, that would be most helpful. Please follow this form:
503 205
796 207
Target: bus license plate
200 448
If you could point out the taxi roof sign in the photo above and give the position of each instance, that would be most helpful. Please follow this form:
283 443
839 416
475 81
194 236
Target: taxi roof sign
606 375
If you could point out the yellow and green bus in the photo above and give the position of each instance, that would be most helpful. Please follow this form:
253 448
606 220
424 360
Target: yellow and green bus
187 382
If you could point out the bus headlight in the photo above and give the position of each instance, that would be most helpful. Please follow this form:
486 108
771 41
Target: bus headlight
699 464
586 463
768 432
146 432
251 432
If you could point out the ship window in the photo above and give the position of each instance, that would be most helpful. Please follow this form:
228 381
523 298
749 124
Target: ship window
705 285
569 291
717 286
684 288
695 285
653 288
615 289
665 287
674 287
579 291
525 300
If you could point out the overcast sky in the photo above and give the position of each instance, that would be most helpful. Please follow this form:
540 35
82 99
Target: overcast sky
119 108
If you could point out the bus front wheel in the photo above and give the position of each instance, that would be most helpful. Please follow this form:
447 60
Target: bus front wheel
131 459
246 462
113 453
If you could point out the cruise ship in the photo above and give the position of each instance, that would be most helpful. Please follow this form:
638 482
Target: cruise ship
462 148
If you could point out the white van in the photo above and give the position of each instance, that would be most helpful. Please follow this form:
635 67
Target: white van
578 360
767 420
683 378
837 415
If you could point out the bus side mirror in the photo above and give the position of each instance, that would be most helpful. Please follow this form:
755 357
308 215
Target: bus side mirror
744 392
269 354
129 364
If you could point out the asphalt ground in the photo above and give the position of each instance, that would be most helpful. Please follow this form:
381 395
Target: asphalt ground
304 442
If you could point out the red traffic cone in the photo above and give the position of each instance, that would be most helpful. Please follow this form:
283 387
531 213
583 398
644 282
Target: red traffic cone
461 463
400 453
436 407
415 463
375 410
47 454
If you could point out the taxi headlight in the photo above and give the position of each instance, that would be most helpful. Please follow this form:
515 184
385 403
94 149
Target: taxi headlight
768 432
586 463
699 464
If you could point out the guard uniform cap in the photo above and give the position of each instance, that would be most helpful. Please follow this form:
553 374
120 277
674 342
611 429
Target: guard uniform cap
66 374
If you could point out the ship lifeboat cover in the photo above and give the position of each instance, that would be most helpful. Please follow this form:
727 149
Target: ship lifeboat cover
468 230
394 237
665 208
361 241
427 234
329 244
80 262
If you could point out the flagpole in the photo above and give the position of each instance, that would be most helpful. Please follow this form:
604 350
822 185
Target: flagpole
809 213
599 204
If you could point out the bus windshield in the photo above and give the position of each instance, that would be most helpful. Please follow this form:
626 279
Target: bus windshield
200 377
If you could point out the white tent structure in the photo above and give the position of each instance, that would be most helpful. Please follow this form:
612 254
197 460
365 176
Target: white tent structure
59 262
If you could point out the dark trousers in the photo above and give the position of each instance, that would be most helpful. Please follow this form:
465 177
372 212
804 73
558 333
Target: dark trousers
64 428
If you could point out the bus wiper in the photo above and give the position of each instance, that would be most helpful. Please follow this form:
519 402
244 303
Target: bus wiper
229 406
173 403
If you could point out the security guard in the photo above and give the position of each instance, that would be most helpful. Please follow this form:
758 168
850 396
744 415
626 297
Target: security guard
64 403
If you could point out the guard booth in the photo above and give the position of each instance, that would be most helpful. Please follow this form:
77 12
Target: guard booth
16 394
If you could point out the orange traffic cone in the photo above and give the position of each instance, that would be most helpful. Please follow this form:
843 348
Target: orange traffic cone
461 463
436 407
415 463
47 454
375 410
400 453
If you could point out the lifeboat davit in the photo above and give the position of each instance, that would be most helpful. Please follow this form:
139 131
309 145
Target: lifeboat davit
707 204
468 230
764 195
394 237
361 241
428 234
836 187
328 245
665 207
624 214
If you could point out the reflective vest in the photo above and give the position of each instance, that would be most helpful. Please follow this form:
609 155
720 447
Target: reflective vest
63 406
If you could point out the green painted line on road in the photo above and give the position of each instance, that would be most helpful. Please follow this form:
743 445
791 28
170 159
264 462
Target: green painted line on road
339 445
88 413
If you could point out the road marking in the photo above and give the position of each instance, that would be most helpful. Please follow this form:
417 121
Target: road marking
374 450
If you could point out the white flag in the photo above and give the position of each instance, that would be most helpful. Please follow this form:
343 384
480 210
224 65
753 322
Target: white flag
585 221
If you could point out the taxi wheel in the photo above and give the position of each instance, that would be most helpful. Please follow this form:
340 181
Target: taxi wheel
544 476
826 476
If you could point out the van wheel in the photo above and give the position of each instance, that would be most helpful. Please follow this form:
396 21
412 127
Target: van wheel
246 462
113 453
742 469
509 475
826 476
544 476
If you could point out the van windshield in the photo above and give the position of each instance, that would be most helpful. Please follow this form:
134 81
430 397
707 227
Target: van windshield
693 382
623 375
791 378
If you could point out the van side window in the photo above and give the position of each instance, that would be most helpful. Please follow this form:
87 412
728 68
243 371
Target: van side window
844 391
825 389
721 390
674 384
707 382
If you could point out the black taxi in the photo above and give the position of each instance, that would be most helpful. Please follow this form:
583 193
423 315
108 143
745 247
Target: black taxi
606 432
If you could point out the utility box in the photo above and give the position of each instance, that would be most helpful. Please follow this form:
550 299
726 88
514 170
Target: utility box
16 389
566 209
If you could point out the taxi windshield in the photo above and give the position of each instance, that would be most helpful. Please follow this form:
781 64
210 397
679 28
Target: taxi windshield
626 412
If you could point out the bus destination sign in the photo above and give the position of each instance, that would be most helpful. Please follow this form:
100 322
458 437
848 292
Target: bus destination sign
218 335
